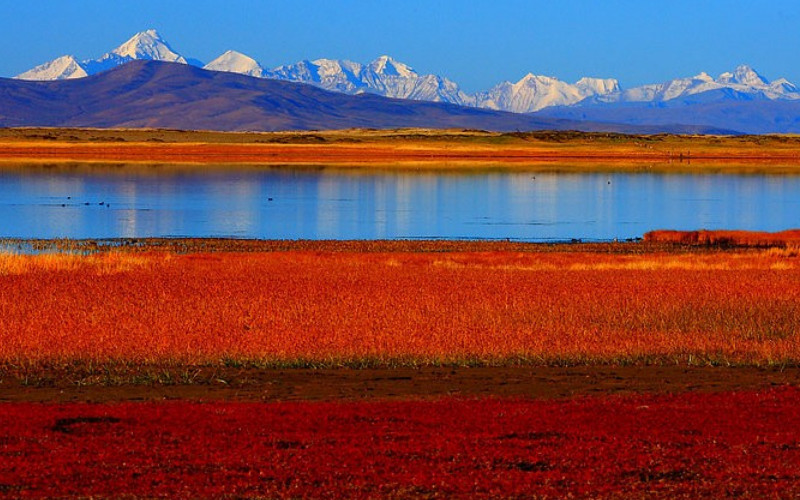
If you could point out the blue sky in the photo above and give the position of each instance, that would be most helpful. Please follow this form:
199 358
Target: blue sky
476 43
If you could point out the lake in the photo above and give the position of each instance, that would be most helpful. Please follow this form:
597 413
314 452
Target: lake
325 204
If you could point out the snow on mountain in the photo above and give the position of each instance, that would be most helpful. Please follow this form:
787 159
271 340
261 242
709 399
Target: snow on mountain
783 86
236 62
388 67
534 92
330 74
438 89
342 76
145 45
384 76
391 78
743 75
593 86
62 68
148 45
669 90
743 80
388 77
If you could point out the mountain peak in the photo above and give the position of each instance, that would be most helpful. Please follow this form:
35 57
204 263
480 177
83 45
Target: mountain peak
151 33
743 75
600 86
236 62
703 77
234 55
60 68
148 45
387 65
782 85
531 78
748 76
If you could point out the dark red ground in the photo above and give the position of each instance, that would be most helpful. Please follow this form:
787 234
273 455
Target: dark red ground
690 445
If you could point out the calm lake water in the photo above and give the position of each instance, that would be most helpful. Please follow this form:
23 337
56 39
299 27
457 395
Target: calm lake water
306 204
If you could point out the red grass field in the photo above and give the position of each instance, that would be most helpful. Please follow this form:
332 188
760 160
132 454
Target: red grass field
681 446
64 319
329 308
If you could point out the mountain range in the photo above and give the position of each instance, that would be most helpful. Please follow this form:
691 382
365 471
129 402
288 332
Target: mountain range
156 94
384 76
740 100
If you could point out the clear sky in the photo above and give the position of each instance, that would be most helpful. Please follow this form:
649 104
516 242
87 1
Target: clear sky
477 43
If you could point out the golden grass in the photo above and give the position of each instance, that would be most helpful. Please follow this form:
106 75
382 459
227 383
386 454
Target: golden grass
100 263
788 251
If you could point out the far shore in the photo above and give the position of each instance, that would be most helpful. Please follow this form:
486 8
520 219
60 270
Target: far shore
411 149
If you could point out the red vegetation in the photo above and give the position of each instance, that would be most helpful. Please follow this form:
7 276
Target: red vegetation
313 307
742 444
726 238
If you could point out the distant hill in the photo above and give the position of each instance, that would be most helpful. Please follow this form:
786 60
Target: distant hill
153 94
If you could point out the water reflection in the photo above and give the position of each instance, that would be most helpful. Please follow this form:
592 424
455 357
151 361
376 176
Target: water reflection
294 204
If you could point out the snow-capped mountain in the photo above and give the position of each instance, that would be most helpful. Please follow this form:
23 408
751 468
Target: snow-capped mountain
384 76
330 74
236 62
150 46
533 93
154 94
391 78
743 79
146 45
62 68
388 77
740 100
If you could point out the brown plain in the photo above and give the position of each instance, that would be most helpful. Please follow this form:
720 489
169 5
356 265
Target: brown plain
412 148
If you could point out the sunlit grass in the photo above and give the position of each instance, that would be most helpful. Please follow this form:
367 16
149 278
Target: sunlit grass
101 263
350 309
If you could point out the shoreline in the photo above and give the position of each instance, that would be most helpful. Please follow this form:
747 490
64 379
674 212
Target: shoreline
656 241
203 245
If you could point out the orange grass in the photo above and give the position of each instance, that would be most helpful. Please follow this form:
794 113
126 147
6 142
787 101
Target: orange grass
327 308
101 263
